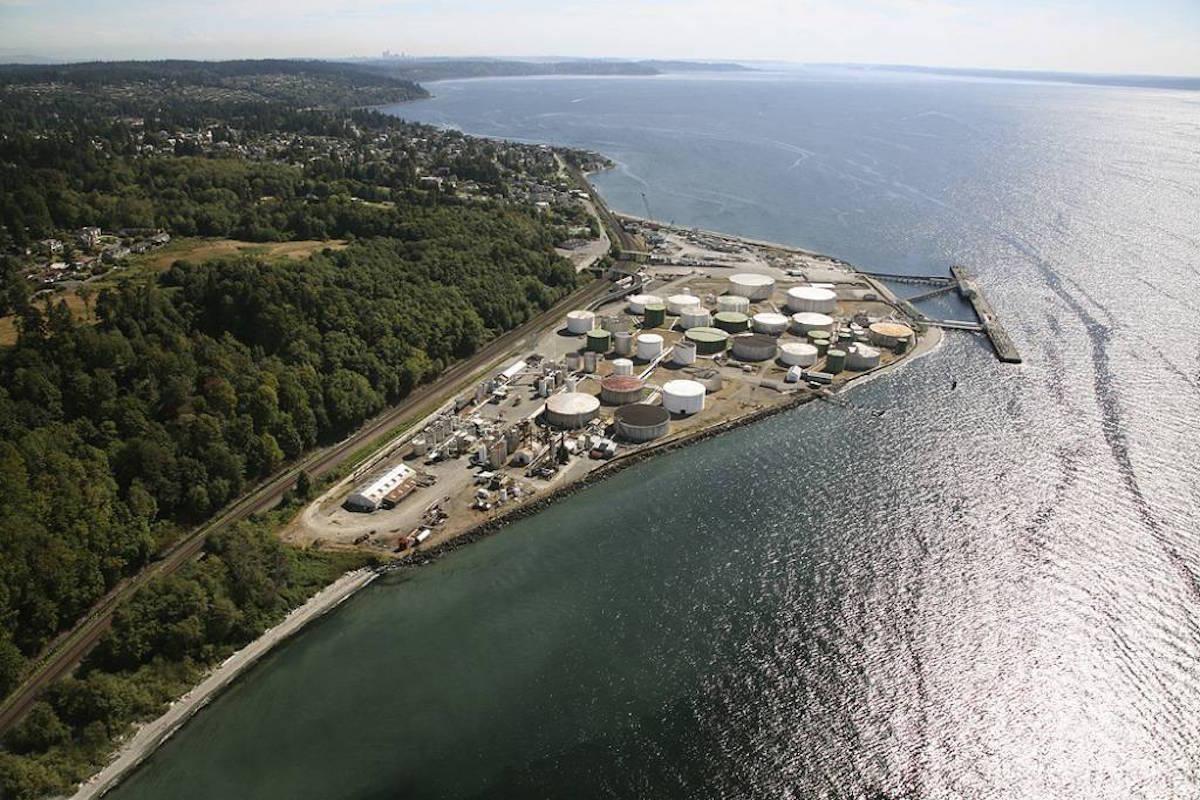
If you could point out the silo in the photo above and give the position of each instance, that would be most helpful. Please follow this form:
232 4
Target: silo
420 447
623 343
732 321
695 318
678 303
580 321
656 315
621 390
811 298
800 354
642 423
590 360
571 410
683 397
769 323
835 361
638 302
889 334
574 361
752 285
806 321
708 341
862 357
754 347
649 346
599 340
733 302
684 353
622 366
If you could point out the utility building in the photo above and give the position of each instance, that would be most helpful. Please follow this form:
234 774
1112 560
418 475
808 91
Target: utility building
386 490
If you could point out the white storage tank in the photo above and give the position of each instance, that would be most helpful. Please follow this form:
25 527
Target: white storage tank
571 410
734 302
590 361
622 366
754 347
861 357
695 318
649 346
683 397
684 353
769 323
678 303
580 321
623 343
806 321
811 298
800 354
751 285
638 302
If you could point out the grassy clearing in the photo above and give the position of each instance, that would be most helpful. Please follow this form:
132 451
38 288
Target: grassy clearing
192 249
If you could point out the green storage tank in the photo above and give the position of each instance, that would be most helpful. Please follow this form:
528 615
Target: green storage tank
817 337
822 346
655 315
599 340
732 321
708 341
835 361
902 347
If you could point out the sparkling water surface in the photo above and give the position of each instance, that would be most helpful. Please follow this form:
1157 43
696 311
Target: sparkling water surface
987 591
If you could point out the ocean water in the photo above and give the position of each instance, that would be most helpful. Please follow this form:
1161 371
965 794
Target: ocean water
987 591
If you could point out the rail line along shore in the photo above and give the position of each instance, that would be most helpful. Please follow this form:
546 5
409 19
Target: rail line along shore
699 333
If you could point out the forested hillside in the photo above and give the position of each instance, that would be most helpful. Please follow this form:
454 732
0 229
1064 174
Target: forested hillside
133 408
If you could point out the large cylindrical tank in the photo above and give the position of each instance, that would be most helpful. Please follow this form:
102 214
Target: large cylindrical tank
732 321
708 341
889 334
733 302
620 390
649 346
623 343
420 447
752 285
622 366
599 340
642 423
862 357
571 410
754 347
798 354
835 360
678 303
811 298
656 315
591 360
806 321
580 321
695 318
683 397
769 323
638 302
684 353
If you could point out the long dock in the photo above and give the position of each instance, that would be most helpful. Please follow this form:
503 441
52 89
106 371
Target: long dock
1006 351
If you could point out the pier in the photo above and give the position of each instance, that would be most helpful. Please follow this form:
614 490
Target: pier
1006 351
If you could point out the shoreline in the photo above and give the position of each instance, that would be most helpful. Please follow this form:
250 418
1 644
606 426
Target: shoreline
149 736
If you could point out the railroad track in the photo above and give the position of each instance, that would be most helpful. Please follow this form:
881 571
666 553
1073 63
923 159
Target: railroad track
70 648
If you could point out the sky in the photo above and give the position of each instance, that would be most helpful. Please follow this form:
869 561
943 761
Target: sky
1110 36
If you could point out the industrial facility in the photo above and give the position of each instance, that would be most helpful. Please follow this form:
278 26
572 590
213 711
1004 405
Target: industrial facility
685 349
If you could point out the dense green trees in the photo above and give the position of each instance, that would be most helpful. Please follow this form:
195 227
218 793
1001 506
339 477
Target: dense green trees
186 392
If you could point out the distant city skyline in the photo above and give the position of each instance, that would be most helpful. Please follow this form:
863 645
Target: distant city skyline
1107 36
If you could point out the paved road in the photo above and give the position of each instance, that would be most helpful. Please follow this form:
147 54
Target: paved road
63 654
